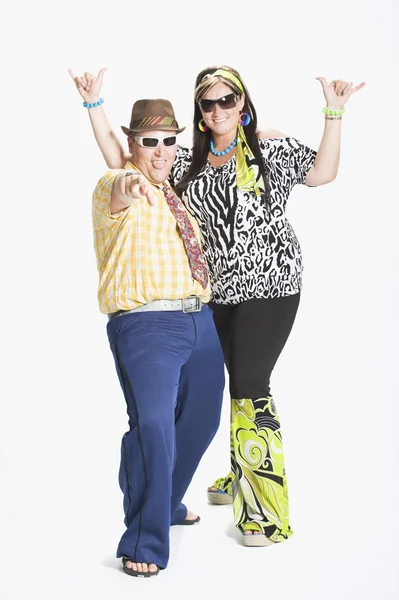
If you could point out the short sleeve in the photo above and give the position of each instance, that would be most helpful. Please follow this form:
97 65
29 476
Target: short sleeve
181 164
291 155
102 199
302 158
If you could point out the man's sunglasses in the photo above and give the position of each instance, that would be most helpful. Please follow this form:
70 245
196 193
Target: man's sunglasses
153 142
225 102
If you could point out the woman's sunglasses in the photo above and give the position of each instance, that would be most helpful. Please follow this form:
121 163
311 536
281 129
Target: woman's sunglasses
225 102
153 142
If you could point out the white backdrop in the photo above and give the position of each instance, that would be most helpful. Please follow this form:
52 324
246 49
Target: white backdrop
62 412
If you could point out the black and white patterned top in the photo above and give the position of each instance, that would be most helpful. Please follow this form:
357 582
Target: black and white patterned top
251 253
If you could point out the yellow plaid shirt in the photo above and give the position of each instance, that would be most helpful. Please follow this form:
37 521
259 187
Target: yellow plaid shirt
140 254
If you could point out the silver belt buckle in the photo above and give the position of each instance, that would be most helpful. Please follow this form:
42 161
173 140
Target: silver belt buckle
187 304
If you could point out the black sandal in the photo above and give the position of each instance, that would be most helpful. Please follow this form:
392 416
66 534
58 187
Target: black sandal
190 521
134 573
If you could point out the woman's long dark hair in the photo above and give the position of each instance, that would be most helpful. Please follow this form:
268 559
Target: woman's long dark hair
201 140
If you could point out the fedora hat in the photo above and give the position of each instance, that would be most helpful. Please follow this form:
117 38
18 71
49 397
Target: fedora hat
152 115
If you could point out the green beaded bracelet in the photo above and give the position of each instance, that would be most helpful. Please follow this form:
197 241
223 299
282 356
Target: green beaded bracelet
327 111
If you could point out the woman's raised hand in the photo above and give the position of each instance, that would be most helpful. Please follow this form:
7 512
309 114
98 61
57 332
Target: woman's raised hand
338 91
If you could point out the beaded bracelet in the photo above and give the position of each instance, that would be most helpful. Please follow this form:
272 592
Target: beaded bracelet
87 105
332 113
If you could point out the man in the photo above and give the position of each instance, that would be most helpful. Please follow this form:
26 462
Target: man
153 285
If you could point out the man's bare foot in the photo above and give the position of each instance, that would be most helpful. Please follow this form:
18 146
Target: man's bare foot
141 567
191 516
249 532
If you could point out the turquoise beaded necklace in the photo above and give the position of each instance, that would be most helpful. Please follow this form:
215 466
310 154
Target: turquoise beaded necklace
223 152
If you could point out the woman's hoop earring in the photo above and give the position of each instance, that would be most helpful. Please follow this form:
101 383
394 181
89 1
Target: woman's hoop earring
245 119
201 126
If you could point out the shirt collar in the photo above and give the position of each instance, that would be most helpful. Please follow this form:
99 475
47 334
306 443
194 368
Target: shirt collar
129 165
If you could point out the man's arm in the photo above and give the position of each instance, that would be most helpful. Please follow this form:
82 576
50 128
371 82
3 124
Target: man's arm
128 187
270 133
89 88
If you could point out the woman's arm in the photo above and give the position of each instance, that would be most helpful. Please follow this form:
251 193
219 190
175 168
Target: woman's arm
89 88
326 165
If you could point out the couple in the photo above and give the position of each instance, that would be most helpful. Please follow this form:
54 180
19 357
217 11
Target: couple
154 287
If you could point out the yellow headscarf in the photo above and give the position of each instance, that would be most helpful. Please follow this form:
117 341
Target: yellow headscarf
246 178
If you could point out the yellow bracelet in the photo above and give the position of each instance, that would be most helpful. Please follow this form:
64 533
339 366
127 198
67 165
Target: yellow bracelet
332 113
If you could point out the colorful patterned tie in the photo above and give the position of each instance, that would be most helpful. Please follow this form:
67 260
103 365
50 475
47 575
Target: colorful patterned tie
195 257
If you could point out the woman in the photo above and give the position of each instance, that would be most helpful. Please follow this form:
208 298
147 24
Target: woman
236 182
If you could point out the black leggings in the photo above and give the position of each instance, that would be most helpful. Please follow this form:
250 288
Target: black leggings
252 335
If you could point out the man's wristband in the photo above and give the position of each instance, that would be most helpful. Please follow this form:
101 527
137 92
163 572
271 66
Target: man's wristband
93 104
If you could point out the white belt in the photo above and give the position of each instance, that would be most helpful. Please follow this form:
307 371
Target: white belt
187 305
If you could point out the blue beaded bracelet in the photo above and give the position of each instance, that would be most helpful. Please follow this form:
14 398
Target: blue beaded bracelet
87 105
